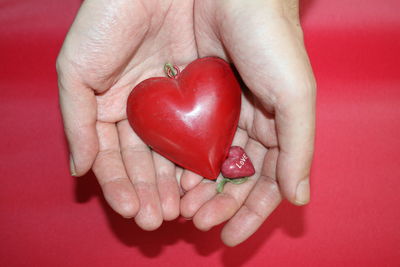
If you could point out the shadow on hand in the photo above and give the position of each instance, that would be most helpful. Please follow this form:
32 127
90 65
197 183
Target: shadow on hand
287 217
151 244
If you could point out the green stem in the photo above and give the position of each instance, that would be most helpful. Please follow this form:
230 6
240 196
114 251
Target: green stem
221 184
238 181
169 68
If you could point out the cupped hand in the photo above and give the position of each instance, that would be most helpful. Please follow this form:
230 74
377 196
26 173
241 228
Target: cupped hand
112 46
264 41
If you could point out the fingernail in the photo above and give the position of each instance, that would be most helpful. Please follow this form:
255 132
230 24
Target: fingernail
303 192
72 166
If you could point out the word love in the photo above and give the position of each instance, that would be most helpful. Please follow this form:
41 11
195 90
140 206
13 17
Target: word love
238 164
242 161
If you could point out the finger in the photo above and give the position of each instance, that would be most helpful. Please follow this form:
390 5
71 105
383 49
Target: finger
190 179
224 205
178 175
140 168
197 196
262 201
78 109
110 172
168 188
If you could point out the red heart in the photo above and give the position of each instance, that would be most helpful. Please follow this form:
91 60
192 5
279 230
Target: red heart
238 164
191 119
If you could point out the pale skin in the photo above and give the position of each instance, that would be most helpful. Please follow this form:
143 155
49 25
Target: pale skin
113 45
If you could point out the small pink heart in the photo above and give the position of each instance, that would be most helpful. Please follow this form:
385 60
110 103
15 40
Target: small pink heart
237 164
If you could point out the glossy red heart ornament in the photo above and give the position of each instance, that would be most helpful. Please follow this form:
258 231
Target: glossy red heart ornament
190 118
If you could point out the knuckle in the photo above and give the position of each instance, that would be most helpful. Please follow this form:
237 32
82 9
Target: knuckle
296 93
299 92
254 212
270 184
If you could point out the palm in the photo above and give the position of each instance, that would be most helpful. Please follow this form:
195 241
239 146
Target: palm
163 37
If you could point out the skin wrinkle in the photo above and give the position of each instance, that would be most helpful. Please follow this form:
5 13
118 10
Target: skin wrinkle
106 152
267 135
102 39
253 212
230 198
246 121
204 17
108 98
265 199
135 148
114 180
245 63
164 172
78 127
272 192
144 183
291 11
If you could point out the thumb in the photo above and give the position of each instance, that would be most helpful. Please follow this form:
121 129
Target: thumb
78 109
295 124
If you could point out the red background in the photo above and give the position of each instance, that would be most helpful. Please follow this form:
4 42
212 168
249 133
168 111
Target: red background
51 219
